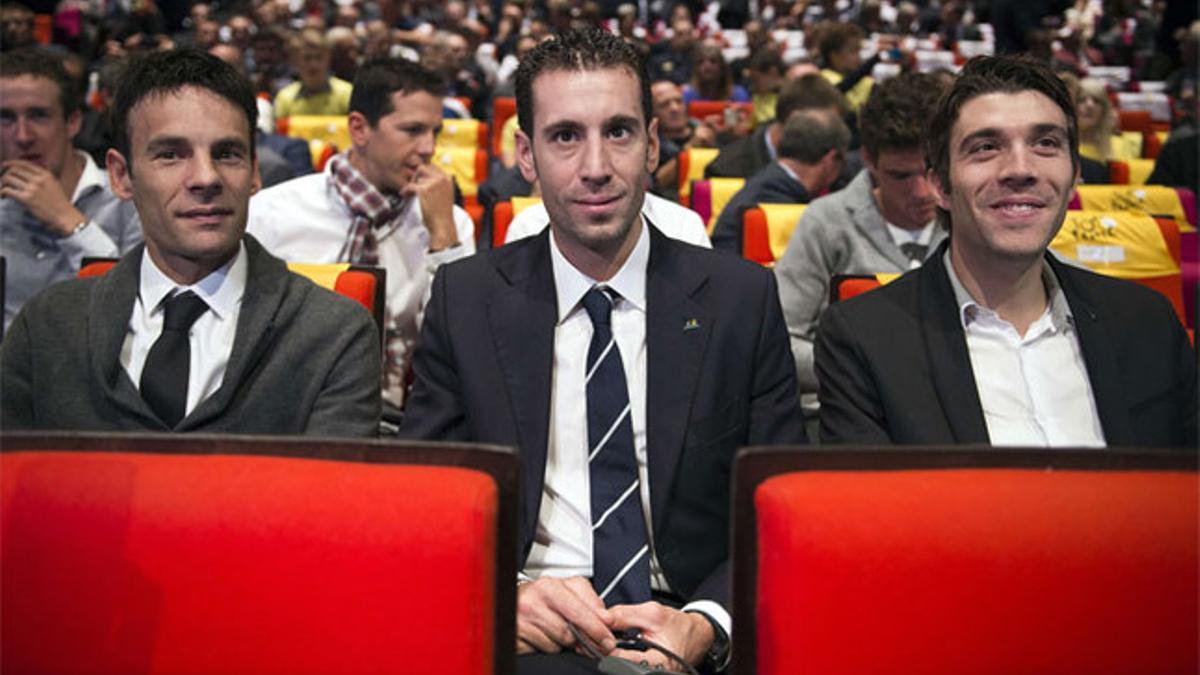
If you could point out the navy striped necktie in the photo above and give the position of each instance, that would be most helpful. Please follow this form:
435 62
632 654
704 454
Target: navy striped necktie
620 547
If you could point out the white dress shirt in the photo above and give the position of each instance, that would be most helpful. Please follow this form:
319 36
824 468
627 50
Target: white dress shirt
673 220
562 545
1034 388
211 336
305 220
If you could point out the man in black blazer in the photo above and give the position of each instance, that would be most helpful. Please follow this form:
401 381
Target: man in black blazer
811 154
995 341
700 337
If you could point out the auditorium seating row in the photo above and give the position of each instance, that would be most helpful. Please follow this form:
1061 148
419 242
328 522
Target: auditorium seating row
195 554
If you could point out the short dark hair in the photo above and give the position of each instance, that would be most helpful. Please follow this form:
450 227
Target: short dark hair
833 37
893 117
993 75
162 73
809 92
577 50
810 134
379 78
37 62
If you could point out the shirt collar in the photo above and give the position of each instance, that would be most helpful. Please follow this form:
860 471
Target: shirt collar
901 236
969 310
90 179
222 290
630 281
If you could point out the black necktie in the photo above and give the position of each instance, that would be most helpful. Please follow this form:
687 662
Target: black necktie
165 375
914 251
620 547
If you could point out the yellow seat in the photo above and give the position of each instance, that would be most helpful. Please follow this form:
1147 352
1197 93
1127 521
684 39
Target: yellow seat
1156 200
692 162
327 128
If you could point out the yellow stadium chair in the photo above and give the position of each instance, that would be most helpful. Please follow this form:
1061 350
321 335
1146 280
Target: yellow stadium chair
470 134
710 196
1126 245
328 128
503 214
767 229
1156 200
692 162
1130 171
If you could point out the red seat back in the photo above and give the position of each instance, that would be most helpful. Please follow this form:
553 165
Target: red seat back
983 561
216 555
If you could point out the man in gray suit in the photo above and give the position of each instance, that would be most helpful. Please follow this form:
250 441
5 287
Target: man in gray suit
883 221
205 331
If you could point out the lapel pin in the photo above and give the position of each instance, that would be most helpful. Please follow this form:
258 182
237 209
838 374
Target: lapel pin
691 324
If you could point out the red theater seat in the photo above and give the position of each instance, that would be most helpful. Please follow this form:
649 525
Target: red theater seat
187 554
966 560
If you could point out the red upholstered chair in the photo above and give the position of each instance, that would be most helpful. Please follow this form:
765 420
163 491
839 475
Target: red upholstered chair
966 560
846 286
192 554
503 107
364 284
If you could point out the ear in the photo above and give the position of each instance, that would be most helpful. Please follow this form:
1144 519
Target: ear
359 129
652 146
119 177
525 157
74 123
943 195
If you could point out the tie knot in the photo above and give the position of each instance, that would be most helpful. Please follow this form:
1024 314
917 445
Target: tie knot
182 310
599 303
914 251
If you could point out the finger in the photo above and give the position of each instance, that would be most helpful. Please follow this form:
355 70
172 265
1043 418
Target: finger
545 642
583 589
650 657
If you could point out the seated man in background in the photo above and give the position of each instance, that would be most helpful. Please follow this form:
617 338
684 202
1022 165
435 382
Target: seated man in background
380 203
993 340
882 222
808 160
200 330
676 133
56 207
604 337
317 91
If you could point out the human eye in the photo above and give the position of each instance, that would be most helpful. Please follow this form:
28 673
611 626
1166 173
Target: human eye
563 135
7 117
165 154
1049 143
982 148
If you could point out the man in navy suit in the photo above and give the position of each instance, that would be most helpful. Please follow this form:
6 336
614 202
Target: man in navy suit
701 358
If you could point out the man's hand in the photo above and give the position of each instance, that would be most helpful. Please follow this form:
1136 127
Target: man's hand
703 136
39 191
435 189
686 633
545 607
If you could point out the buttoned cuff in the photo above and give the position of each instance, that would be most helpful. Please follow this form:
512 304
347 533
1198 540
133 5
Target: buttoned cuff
714 611
89 241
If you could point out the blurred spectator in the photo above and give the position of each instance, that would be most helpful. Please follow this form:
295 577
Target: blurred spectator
766 78
672 59
1094 114
712 79
448 55
343 52
1176 162
270 69
812 149
95 135
840 45
676 131
316 92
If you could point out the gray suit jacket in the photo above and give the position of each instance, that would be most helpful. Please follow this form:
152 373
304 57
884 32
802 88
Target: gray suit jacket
304 360
716 373
842 233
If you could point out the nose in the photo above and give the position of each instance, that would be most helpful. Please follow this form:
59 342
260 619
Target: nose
922 189
426 145
203 177
24 131
596 165
1017 169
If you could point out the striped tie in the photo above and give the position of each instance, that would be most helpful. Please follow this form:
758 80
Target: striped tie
620 549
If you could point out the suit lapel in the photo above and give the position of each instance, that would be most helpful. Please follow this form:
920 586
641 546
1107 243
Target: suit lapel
1100 358
677 332
946 353
112 301
522 316
266 286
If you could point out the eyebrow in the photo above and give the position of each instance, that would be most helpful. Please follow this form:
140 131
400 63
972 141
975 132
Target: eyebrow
183 141
993 132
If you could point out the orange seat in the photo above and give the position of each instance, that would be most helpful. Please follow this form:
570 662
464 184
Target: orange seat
192 554
703 109
364 284
503 108
692 162
1134 120
846 286
767 229
975 560
710 196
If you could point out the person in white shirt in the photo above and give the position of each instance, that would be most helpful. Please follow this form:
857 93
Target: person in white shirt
56 207
993 340
673 220
626 367
381 202
200 329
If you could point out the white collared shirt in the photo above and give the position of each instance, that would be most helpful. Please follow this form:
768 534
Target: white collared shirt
1034 389
902 236
562 545
211 336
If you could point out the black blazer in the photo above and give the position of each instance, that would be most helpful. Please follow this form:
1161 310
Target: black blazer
893 366
719 376
742 158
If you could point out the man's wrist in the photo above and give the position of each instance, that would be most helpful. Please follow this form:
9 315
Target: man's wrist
719 650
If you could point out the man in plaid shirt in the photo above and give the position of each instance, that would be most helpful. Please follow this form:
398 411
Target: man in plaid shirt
380 203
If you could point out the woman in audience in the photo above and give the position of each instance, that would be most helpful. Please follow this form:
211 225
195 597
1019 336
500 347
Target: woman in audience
712 79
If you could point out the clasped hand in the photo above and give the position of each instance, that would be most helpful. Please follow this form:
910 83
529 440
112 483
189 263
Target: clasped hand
546 606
